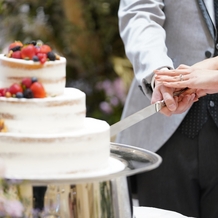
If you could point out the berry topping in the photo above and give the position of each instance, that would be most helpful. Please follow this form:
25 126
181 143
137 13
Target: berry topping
35 50
34 79
51 56
35 58
28 93
19 95
27 52
38 90
13 89
15 46
44 49
26 83
16 54
28 88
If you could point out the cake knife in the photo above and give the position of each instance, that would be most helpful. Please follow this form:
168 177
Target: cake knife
139 116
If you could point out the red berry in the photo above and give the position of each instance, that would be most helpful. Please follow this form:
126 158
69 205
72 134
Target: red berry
5 90
16 54
15 88
15 44
42 57
45 49
38 90
26 82
2 92
43 60
28 52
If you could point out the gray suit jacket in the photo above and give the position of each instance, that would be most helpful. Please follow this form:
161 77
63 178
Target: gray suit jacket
156 34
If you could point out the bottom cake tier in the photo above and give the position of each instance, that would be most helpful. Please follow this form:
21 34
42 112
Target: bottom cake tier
86 149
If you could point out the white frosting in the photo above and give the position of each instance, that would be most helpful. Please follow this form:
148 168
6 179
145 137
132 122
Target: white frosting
82 150
51 74
49 135
50 115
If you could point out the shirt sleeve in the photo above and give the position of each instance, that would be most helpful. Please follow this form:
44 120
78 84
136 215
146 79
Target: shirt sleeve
141 29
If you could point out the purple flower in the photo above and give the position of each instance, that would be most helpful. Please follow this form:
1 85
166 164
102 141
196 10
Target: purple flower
13 208
105 107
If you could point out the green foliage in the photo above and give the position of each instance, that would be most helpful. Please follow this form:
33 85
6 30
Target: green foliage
89 43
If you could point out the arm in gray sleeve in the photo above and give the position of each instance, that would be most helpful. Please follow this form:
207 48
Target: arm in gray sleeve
141 29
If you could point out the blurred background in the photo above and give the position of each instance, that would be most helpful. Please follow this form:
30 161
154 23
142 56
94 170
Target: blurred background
86 33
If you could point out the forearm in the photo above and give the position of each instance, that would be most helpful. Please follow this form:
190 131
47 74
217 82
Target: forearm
144 38
210 64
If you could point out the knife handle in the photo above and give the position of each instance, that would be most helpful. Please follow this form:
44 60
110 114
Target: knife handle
160 104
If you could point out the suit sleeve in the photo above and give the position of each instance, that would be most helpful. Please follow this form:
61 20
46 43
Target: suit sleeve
141 29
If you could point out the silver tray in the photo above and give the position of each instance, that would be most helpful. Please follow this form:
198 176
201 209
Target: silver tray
125 160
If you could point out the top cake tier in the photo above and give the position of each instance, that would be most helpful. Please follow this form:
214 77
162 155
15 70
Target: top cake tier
52 74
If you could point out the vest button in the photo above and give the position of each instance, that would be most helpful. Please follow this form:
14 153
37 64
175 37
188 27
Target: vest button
208 54
217 46
212 104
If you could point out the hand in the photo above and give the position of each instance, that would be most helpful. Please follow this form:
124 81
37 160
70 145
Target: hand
204 81
174 104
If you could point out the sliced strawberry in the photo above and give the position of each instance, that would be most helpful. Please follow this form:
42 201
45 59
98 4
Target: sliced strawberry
15 44
16 54
13 89
38 90
28 52
44 49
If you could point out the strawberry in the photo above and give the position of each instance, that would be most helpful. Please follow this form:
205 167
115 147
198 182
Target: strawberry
28 52
16 54
44 49
26 82
15 44
38 90
13 89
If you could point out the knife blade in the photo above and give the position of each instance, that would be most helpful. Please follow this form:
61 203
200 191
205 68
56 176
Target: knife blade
136 117
140 115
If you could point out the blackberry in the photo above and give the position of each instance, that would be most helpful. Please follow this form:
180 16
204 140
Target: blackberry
28 93
51 56
33 43
16 48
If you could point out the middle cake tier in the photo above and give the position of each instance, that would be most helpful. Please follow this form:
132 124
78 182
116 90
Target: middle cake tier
63 113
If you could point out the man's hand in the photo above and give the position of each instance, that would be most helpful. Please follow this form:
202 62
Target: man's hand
174 104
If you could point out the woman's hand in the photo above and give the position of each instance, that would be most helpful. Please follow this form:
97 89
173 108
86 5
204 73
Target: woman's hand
203 80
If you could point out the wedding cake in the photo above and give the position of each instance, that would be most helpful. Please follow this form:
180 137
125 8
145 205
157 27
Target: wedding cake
43 125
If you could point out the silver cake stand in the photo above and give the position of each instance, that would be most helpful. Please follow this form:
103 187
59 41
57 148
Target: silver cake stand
101 194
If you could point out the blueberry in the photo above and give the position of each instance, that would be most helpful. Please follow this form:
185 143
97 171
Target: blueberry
35 58
19 95
51 56
34 79
28 93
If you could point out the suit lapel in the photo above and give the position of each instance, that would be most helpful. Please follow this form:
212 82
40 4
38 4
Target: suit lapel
207 18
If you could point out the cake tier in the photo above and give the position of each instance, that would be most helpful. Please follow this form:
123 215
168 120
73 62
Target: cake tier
51 74
82 150
44 115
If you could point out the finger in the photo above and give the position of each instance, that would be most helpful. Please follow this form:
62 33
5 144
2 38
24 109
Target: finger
183 66
176 72
182 84
185 103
